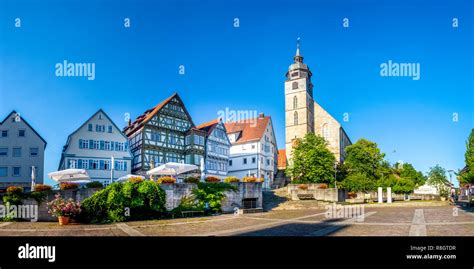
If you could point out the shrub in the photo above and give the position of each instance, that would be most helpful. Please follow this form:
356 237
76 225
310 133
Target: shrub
135 179
127 201
60 207
167 180
94 184
212 194
68 186
13 196
191 180
211 179
231 179
42 188
188 203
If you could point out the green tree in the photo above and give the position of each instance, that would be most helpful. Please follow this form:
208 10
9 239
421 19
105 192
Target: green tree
407 171
467 176
358 182
364 157
403 185
437 176
312 160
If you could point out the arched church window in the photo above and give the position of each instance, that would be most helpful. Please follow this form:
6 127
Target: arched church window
295 102
325 131
295 85
295 118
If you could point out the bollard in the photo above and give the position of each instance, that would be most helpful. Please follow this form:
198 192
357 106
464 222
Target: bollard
389 195
380 197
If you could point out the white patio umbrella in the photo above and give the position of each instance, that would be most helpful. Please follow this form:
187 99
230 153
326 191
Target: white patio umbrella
33 178
127 177
172 169
203 172
69 175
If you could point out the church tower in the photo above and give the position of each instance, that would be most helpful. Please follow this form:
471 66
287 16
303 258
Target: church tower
299 103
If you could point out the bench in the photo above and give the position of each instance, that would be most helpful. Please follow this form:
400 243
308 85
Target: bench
305 196
185 214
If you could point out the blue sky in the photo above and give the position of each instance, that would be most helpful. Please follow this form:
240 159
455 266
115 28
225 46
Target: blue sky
243 68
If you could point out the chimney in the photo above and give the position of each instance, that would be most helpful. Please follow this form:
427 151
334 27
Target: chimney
129 122
261 115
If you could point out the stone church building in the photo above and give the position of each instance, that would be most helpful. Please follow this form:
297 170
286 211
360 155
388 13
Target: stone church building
303 114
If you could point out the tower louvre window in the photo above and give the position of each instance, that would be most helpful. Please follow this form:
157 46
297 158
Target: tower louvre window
294 74
295 85
295 118
295 102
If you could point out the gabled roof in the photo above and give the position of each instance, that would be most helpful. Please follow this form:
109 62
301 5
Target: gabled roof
91 117
82 125
208 126
150 113
23 120
249 129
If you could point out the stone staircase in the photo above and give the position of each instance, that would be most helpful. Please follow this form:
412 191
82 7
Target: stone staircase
280 180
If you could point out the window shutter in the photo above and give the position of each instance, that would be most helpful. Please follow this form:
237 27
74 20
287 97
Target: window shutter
80 143
91 142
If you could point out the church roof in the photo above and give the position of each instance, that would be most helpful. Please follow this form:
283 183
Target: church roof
249 129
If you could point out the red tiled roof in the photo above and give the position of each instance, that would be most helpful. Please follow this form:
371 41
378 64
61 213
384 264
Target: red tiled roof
142 119
208 126
281 159
251 129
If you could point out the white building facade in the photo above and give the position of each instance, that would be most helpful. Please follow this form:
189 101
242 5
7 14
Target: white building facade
99 147
21 149
254 149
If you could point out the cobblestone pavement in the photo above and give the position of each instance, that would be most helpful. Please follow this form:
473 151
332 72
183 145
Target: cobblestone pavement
378 221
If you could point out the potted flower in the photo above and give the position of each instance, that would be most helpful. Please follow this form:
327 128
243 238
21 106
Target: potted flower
212 179
231 179
249 179
63 209
167 180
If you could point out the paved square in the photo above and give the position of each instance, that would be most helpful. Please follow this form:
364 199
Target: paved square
386 220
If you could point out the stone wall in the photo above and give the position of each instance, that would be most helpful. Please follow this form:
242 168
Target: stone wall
77 195
245 190
174 194
316 192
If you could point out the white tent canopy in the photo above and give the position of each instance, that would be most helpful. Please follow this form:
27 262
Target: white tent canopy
127 177
69 175
172 169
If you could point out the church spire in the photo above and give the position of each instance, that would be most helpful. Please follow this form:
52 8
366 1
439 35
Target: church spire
298 57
